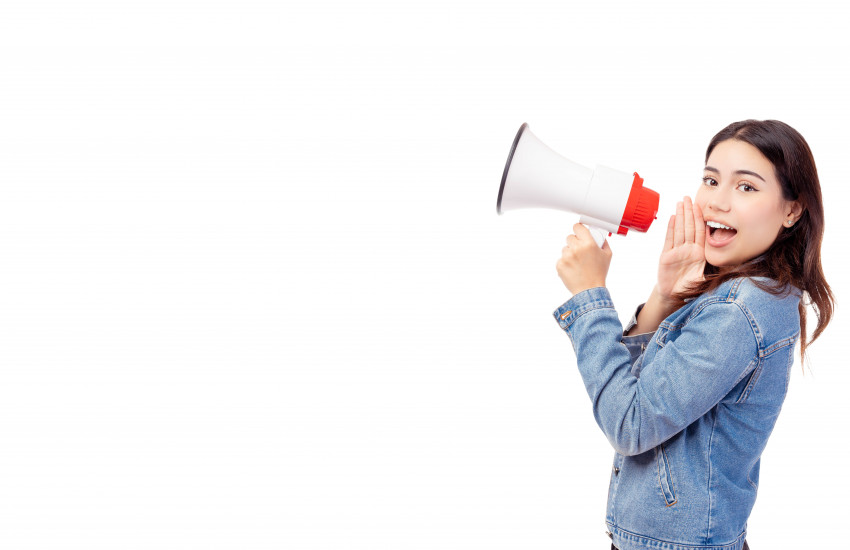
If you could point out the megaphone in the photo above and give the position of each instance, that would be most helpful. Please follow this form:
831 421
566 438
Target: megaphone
608 201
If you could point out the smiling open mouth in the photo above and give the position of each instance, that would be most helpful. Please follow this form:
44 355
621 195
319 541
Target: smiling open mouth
720 234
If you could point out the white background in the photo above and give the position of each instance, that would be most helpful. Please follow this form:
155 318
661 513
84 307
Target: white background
254 292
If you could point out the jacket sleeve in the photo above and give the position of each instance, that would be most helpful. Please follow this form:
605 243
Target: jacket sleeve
686 377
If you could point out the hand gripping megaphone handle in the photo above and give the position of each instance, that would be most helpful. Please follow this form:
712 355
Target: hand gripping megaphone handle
599 229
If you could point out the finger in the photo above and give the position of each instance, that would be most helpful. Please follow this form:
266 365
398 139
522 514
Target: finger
668 240
699 226
689 220
679 230
582 232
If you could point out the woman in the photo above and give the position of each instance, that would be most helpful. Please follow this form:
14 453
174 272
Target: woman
689 393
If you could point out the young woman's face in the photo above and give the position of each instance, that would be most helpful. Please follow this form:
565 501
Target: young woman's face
741 201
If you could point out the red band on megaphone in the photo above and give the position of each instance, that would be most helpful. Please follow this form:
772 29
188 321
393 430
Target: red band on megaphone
641 208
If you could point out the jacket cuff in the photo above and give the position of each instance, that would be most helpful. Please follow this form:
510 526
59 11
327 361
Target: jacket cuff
581 303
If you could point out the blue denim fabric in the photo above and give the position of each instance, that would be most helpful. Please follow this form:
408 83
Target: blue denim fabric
687 409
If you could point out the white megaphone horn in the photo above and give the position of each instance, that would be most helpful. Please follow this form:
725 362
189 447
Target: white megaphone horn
608 201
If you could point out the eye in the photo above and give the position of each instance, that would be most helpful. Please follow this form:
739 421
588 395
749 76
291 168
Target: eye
746 187
709 181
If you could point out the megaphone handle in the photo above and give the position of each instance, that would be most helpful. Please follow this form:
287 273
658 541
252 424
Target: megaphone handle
597 234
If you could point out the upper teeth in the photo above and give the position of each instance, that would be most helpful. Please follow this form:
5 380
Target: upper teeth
717 225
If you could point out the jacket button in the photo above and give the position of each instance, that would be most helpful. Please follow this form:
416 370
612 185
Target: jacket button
616 471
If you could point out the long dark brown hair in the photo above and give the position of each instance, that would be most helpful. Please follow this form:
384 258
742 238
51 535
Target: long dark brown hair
794 257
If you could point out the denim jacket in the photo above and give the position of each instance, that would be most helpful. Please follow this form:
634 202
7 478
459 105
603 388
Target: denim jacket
687 409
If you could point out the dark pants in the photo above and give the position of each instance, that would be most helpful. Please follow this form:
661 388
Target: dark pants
746 546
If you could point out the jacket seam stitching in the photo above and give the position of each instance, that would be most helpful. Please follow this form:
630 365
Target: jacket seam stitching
751 481
701 306
710 472
587 309
629 534
752 381
753 326
778 346
733 291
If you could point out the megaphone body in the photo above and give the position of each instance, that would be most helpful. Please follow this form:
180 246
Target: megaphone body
607 200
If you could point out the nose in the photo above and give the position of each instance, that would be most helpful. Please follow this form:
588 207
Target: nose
718 199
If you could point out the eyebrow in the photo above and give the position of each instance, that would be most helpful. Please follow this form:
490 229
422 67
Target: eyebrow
737 172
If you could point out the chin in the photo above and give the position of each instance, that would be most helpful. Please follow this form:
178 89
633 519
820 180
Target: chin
717 260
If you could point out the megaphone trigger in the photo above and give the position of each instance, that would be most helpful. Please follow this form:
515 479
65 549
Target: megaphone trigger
598 234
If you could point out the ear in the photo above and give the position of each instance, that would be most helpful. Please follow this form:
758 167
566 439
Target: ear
793 211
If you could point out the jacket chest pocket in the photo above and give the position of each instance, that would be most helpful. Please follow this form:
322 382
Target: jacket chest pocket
664 334
658 341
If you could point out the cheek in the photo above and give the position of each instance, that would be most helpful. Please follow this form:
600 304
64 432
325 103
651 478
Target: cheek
763 226
699 197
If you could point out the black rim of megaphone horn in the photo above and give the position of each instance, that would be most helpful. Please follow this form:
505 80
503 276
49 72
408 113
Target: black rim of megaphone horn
508 166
